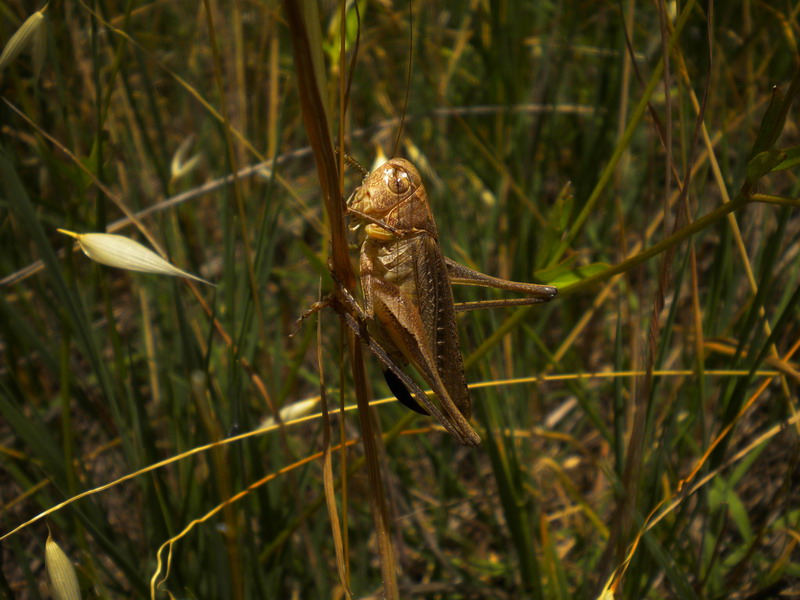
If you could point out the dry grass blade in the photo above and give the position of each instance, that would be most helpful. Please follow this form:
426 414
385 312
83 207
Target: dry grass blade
327 476
163 569
115 198
318 131
164 463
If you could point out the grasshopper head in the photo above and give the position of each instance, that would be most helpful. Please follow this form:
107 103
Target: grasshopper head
386 187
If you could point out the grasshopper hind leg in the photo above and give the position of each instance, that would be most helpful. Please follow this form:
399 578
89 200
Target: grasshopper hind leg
401 392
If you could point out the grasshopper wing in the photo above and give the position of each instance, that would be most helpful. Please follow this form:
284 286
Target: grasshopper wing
419 318
436 307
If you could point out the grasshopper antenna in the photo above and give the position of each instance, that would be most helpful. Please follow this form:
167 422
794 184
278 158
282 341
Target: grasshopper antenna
408 76
352 162
344 90
353 59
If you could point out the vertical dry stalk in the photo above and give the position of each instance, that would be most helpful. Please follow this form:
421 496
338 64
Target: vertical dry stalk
318 130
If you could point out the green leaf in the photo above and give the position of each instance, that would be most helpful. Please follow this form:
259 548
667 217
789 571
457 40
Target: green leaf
792 159
558 219
559 216
552 273
738 513
332 44
722 494
762 163
771 124
570 276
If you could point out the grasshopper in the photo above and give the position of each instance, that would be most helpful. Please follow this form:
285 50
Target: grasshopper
408 301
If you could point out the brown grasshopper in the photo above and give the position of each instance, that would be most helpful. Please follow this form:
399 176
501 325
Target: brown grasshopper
408 302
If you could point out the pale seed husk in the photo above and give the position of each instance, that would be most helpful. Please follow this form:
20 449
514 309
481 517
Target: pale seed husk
22 38
124 253
63 579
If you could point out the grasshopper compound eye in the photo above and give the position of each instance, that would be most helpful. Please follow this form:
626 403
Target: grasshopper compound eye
397 180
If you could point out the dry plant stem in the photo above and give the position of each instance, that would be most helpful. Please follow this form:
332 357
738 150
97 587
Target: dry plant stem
240 137
327 473
570 338
115 198
263 166
315 120
595 196
341 540
703 222
158 578
398 428
623 143
625 510
237 183
666 506
134 218
733 224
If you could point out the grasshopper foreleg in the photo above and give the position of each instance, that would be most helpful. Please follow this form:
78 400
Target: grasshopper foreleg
314 308
344 296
